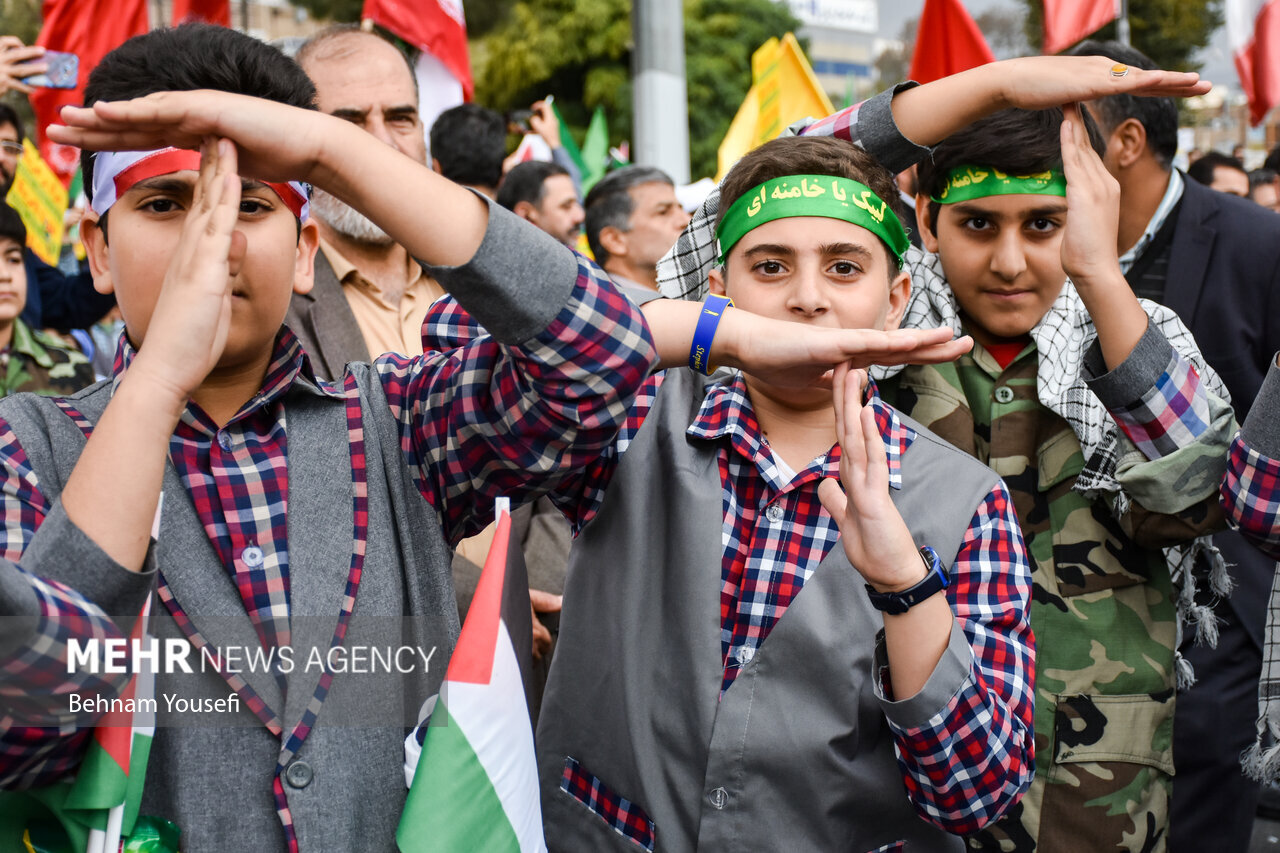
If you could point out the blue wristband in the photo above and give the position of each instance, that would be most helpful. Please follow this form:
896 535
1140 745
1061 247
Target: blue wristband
705 332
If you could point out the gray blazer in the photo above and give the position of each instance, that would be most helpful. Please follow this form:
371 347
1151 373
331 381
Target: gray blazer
323 321
212 776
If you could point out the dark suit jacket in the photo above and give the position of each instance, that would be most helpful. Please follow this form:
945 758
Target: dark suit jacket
61 301
323 321
1224 282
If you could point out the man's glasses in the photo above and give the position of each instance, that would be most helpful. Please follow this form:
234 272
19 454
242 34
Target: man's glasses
10 147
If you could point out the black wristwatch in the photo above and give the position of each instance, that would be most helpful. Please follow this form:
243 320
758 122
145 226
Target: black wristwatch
900 602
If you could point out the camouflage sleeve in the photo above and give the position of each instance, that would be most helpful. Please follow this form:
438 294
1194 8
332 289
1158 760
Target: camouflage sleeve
1174 436
1251 488
967 761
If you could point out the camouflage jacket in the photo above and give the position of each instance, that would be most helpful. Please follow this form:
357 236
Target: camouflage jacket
37 362
1102 607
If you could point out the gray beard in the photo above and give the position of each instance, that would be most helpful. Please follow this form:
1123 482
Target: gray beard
346 220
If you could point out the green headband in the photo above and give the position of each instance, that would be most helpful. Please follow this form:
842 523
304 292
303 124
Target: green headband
965 183
812 195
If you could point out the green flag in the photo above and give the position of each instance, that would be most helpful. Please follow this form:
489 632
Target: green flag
566 142
595 150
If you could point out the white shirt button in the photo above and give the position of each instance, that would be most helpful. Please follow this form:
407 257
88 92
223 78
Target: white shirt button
745 654
774 513
252 556
1004 394
718 798
224 441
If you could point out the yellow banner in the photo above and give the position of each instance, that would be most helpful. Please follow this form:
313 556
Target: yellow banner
784 89
41 201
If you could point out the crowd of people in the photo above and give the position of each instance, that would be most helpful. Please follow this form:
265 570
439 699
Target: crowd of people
895 498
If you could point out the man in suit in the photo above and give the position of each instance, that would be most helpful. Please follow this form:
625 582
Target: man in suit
1215 260
369 297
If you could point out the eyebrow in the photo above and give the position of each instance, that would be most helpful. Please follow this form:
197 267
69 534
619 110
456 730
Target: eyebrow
170 184
824 249
970 209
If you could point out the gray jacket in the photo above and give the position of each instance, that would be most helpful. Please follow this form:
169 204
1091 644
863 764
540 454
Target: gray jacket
797 754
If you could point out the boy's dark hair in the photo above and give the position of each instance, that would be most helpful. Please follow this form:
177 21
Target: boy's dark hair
810 155
470 142
12 226
1202 170
1158 115
609 203
1015 141
8 115
526 182
195 56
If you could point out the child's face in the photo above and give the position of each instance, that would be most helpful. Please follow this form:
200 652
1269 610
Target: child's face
1002 259
812 269
13 280
142 234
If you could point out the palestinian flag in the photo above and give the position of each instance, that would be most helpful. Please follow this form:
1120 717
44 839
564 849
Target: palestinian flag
108 789
475 783
99 808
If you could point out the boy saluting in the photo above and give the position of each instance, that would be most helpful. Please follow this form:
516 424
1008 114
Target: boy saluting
299 514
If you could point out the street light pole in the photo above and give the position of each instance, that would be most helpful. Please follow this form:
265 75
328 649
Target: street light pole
1122 22
660 105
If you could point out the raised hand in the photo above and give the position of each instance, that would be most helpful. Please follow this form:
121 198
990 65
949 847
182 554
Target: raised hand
188 328
1040 82
797 355
18 61
1089 244
1093 205
185 119
875 538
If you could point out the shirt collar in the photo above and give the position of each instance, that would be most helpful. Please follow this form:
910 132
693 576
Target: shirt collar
347 272
1172 195
290 367
726 411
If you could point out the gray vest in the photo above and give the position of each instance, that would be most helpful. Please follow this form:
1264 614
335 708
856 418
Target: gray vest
213 778
797 754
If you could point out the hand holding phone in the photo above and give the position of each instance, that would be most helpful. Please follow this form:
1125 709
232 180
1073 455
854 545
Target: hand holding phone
62 71
17 61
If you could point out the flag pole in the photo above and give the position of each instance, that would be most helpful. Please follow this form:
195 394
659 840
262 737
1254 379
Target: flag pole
1122 22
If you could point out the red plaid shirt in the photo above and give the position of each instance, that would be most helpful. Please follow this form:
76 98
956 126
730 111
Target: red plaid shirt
1251 495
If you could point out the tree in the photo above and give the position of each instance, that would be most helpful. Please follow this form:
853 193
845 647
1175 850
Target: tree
1168 31
580 51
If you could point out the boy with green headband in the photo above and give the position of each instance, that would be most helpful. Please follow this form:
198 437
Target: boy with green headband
1107 659
1110 430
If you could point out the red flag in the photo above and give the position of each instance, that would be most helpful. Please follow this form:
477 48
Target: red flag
434 26
1068 21
947 42
90 29
210 11
1253 27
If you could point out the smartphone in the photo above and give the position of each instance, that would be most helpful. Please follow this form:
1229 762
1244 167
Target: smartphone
63 71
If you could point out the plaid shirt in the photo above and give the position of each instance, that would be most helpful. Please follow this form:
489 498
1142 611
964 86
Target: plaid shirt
1251 495
476 423
775 533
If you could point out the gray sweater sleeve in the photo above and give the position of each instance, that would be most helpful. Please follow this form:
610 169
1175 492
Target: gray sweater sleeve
1262 427
878 132
517 281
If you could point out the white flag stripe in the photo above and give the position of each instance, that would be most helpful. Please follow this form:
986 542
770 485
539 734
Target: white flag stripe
495 720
